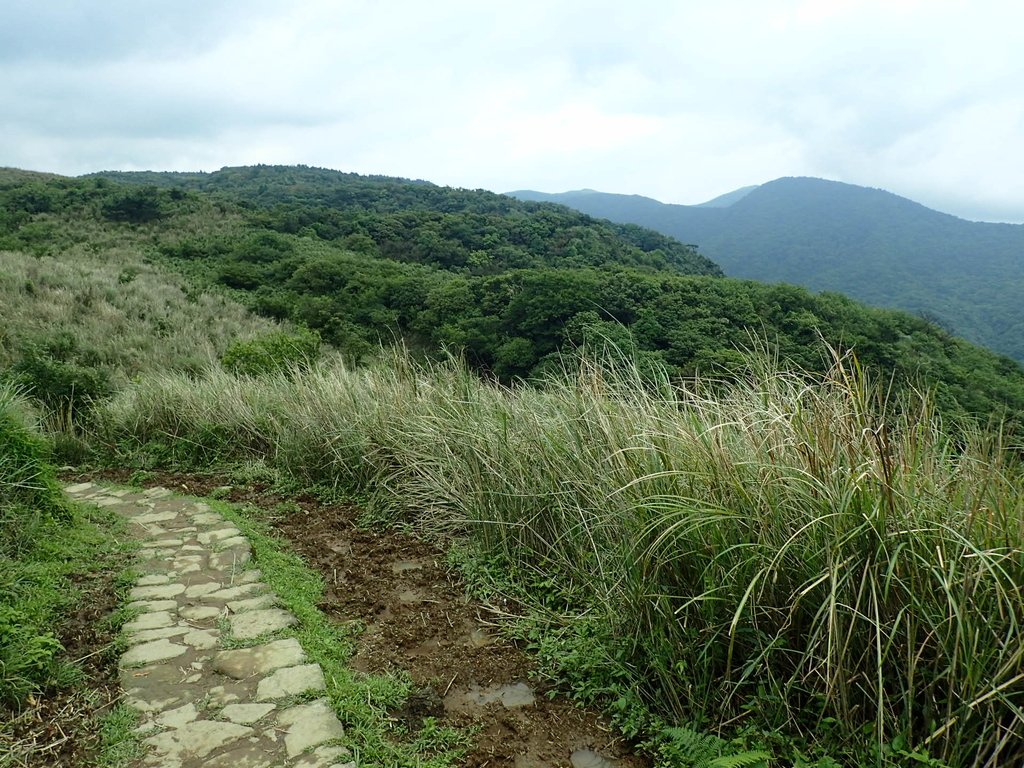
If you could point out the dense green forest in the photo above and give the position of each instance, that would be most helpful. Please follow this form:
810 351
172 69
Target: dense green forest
366 260
866 243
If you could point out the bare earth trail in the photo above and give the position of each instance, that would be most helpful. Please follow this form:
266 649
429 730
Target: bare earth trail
209 706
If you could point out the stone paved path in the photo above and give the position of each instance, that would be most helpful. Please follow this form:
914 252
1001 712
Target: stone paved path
207 664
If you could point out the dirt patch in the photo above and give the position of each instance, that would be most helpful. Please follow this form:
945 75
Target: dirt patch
57 729
418 618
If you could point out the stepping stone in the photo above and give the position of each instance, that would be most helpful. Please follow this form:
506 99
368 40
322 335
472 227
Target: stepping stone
200 612
248 577
199 590
199 739
252 604
309 725
234 541
207 518
169 543
153 605
248 756
148 635
246 626
176 718
149 581
260 659
157 591
231 559
211 537
326 757
80 488
152 620
154 517
233 593
156 493
201 639
291 681
149 653
246 714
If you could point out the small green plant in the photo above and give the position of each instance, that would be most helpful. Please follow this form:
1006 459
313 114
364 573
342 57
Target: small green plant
277 352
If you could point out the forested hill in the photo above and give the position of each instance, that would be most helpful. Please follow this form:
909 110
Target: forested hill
869 244
510 285
417 220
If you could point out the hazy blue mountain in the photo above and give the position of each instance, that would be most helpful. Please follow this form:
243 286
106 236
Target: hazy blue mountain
867 243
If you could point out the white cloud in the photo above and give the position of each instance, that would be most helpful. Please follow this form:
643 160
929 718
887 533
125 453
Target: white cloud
677 101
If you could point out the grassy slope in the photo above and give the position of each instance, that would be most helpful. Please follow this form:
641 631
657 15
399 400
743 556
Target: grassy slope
797 565
52 555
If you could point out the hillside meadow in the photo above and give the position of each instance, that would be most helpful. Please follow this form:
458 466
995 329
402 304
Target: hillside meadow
748 538
793 564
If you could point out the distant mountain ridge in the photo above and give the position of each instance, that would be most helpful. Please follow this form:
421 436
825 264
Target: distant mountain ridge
867 243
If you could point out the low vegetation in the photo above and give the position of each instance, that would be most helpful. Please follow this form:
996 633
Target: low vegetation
51 555
792 564
737 555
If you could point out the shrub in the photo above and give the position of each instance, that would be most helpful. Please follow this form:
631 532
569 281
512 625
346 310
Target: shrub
276 352
61 376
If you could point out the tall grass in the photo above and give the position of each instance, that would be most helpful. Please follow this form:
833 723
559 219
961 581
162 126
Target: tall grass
778 554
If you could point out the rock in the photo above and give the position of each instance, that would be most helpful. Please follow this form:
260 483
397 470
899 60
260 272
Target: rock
246 714
252 604
148 653
199 590
156 592
176 718
309 725
260 659
245 626
200 612
291 681
211 537
148 635
199 739
152 620
233 593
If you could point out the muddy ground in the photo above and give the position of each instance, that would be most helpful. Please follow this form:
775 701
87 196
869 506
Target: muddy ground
418 618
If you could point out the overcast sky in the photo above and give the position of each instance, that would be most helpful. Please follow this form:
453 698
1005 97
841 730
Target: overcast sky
677 99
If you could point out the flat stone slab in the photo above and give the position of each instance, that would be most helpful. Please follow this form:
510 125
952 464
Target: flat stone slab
291 681
149 653
199 590
151 620
156 592
151 606
246 714
330 756
151 517
156 578
233 593
246 626
252 604
211 537
309 725
200 612
179 717
148 635
197 740
79 488
260 659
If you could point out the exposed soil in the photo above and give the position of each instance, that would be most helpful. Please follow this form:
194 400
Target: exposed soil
57 729
418 618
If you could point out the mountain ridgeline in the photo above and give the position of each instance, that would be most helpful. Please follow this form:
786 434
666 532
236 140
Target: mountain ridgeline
509 284
869 244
